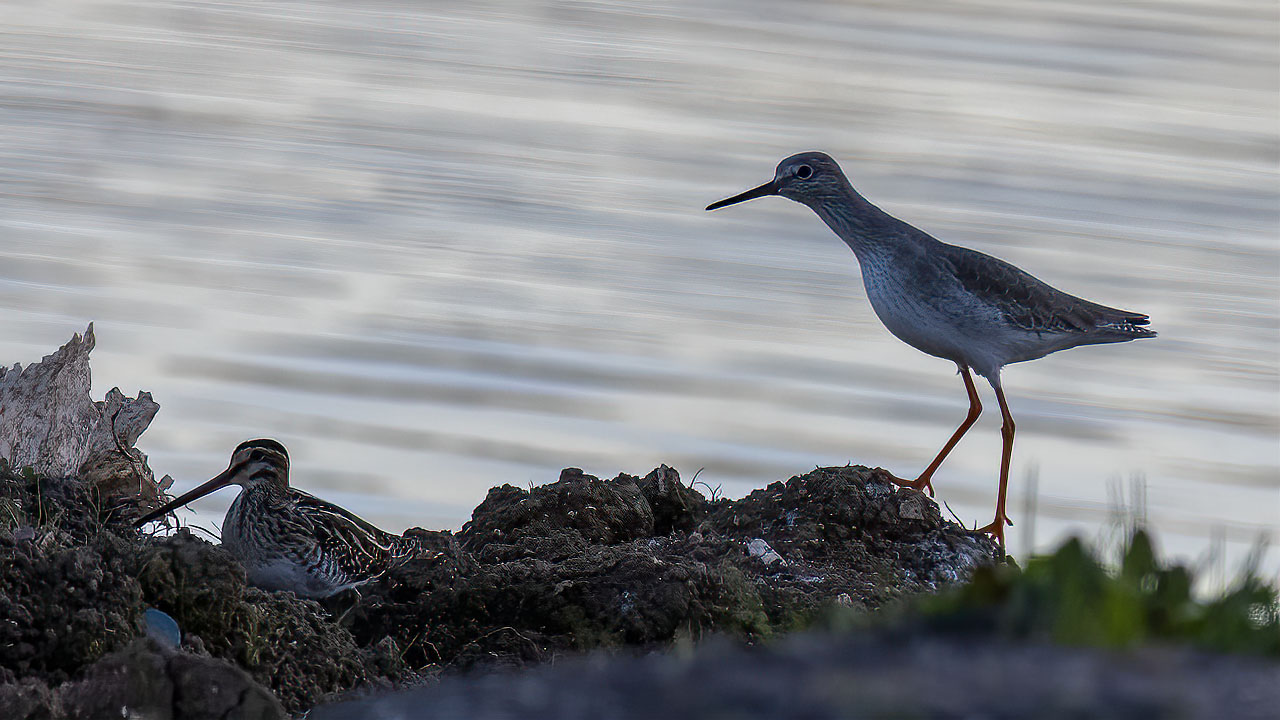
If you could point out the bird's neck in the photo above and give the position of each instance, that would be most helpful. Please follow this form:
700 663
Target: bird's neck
264 492
865 228
274 491
243 517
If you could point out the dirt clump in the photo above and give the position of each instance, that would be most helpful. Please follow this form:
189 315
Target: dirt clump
640 562
149 681
558 519
67 589
846 533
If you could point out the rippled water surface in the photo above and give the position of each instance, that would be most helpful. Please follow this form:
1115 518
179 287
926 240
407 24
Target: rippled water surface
435 247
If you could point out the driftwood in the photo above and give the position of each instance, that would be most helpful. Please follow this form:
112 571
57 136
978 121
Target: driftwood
49 423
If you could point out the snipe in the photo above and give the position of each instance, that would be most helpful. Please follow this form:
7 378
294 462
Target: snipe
290 540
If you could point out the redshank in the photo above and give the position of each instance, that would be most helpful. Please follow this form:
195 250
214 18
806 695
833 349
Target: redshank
290 540
950 302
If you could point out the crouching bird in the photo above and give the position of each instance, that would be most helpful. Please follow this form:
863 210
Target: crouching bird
290 540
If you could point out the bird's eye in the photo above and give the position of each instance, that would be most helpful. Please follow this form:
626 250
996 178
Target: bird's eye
803 172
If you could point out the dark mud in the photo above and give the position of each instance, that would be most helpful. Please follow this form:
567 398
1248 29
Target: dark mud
579 564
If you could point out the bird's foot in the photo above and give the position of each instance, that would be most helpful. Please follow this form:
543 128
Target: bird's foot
996 529
920 484
350 598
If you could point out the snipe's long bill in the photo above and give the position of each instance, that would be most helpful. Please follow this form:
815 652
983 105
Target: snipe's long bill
951 302
290 540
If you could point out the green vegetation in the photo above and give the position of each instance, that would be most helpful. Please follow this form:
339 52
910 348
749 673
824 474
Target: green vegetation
1071 597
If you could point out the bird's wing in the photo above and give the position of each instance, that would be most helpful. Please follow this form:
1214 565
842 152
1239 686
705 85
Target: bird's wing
1032 304
358 548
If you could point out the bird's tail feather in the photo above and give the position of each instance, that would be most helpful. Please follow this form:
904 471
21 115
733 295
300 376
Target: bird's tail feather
1120 326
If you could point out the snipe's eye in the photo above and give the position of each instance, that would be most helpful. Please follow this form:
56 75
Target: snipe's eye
803 172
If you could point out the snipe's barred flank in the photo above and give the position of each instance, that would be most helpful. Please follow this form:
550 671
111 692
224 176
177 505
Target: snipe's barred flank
951 302
290 540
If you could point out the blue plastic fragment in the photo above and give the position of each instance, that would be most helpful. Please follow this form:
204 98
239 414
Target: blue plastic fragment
162 628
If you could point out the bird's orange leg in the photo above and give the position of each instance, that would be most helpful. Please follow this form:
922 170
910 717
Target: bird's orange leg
996 528
924 482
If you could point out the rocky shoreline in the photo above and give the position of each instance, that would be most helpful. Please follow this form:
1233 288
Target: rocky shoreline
571 566
639 584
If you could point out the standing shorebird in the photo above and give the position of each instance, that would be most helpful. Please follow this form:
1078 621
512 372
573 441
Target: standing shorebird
287 539
950 302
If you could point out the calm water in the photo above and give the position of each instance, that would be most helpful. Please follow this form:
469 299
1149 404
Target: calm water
435 247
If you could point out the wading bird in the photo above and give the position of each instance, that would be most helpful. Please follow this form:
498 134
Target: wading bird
950 302
287 539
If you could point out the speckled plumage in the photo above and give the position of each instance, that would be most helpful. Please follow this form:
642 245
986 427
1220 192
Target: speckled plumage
288 539
978 311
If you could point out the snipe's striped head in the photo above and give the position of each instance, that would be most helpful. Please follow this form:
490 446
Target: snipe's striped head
254 464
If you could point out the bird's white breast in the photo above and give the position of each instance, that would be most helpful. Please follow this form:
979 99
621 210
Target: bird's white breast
281 573
933 315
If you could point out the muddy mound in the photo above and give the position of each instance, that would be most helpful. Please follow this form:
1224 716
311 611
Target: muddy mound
847 533
574 511
67 588
527 609
578 564
585 562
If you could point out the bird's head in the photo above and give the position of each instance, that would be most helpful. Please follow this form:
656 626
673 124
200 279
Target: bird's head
807 178
258 462
254 464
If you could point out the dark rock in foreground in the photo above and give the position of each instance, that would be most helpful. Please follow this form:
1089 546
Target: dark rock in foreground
150 682
874 675
158 685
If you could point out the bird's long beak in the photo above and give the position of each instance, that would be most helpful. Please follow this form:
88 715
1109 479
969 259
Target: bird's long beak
769 188
223 480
